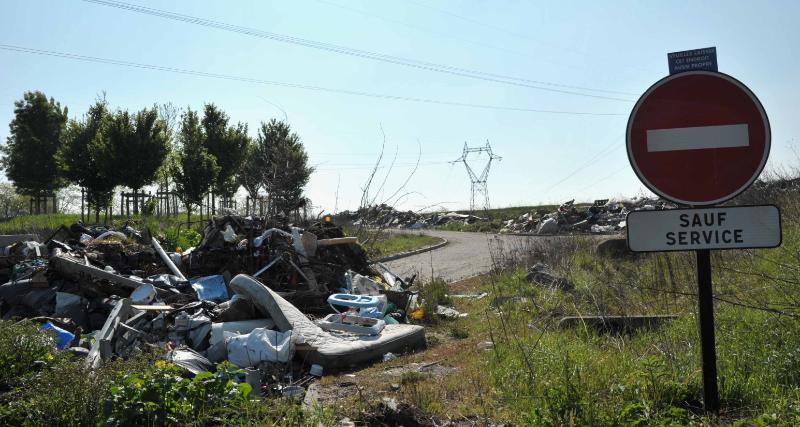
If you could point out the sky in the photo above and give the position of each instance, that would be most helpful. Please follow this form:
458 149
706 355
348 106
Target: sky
564 58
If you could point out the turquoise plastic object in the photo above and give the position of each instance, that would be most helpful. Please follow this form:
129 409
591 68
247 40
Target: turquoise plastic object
63 337
353 301
210 288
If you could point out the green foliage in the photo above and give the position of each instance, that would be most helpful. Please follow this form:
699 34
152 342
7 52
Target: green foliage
30 155
412 377
228 144
21 346
250 173
11 203
162 397
433 294
195 170
45 387
459 332
284 165
135 147
65 392
83 140
385 244
182 237
546 375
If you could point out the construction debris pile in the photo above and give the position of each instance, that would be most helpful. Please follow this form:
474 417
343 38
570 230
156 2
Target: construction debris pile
606 216
384 216
241 295
603 216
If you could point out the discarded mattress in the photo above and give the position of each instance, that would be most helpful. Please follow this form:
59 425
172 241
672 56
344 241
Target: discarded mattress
331 350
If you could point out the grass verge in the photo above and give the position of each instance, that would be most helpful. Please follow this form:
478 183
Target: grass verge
510 361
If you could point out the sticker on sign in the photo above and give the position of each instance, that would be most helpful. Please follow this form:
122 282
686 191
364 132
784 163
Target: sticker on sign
710 228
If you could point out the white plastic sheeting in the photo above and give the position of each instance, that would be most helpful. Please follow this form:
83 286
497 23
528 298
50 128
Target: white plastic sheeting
260 345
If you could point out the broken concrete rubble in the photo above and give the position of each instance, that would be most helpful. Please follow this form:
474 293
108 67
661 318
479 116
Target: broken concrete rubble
384 216
604 216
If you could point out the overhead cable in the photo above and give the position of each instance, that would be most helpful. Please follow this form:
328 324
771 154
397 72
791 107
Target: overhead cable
376 56
185 71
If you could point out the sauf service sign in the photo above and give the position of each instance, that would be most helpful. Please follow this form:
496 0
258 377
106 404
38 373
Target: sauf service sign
710 228
700 138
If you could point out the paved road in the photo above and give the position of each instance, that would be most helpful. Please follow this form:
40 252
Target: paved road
466 255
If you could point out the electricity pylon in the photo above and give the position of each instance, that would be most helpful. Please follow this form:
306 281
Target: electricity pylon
479 189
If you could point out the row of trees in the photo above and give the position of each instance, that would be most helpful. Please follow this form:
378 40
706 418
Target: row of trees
105 149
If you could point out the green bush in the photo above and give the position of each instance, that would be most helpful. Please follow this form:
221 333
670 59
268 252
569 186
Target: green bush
162 397
46 387
22 349
433 294
182 237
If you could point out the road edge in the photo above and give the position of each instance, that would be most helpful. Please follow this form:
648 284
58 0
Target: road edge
441 244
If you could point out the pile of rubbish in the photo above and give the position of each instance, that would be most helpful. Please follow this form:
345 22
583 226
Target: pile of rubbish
385 216
244 294
606 216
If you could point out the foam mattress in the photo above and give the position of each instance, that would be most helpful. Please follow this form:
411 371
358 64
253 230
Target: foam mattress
330 349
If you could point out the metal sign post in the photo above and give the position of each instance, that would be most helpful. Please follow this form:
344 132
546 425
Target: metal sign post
705 308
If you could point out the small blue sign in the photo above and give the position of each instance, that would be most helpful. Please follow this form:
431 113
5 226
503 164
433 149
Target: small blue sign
693 60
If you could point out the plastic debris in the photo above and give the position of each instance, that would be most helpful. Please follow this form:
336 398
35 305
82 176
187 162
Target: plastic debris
63 337
210 288
260 345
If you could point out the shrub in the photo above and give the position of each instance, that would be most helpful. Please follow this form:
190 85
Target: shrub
175 237
22 346
161 396
432 294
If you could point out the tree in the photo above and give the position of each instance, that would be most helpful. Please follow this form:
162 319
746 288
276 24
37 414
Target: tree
285 165
250 174
194 169
11 203
228 144
30 155
82 143
135 148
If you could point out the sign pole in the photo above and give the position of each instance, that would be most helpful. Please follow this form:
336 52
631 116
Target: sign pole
705 305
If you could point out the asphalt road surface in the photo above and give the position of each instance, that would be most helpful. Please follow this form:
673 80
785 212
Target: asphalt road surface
466 255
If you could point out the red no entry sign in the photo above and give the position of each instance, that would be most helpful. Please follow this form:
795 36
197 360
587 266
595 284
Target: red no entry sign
698 138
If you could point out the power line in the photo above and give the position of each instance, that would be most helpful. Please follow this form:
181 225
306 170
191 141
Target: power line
608 149
483 24
422 65
461 39
290 85
605 178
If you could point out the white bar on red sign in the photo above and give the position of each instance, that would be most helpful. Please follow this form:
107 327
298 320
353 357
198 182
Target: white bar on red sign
711 228
697 138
